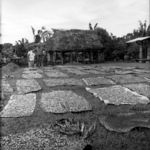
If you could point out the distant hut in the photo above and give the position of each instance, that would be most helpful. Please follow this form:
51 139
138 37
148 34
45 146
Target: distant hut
75 46
142 41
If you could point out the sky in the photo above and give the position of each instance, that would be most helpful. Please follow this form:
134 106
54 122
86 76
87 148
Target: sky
116 16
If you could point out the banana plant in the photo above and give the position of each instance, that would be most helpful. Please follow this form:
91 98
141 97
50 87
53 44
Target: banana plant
43 34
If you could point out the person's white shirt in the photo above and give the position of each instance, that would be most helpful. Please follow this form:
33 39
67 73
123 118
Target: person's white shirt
31 55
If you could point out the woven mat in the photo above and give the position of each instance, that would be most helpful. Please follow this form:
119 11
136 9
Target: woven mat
31 75
28 70
141 71
6 89
63 82
127 79
76 71
141 88
98 81
19 106
5 86
118 95
63 101
56 74
91 71
27 85
123 72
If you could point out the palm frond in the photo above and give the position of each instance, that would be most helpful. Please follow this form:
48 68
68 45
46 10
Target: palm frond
33 30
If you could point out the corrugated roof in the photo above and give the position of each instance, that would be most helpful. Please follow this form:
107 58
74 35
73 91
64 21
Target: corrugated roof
138 39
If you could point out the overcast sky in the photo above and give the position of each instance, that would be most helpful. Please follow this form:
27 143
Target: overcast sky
116 16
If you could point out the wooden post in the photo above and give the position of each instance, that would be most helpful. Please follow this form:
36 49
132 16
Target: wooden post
140 52
54 58
148 52
98 56
71 57
91 53
84 56
62 57
50 57
77 56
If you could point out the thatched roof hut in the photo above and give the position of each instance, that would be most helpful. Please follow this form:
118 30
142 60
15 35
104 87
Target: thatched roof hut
74 40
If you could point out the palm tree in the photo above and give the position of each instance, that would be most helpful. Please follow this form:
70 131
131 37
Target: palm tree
144 30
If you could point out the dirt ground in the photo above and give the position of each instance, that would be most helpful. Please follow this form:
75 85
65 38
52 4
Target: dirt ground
103 139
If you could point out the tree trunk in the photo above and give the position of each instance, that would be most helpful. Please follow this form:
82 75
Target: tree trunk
71 57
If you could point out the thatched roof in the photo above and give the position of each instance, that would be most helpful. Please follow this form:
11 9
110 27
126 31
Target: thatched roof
32 45
63 40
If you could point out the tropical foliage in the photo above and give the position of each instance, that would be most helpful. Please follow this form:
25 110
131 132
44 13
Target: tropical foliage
42 34
114 48
20 47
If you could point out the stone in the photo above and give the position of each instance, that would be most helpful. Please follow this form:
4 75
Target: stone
55 74
126 79
19 106
141 88
63 101
118 95
63 82
27 85
98 81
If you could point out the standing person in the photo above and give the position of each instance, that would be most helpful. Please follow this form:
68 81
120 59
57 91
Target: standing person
31 58
39 56
44 58
48 58
36 58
